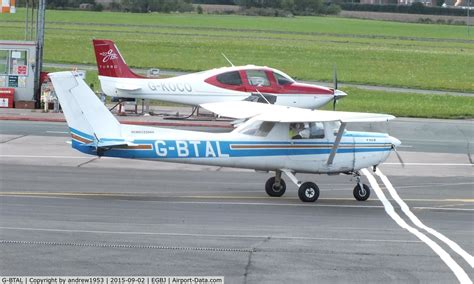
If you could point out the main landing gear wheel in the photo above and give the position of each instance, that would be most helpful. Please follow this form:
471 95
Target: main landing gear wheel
273 189
361 193
308 192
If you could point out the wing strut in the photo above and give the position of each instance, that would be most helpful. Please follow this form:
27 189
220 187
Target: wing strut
336 143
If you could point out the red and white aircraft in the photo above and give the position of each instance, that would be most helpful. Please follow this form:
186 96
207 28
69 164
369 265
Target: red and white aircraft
234 83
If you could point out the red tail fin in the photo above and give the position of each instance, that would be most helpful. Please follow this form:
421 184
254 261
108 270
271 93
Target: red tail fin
109 60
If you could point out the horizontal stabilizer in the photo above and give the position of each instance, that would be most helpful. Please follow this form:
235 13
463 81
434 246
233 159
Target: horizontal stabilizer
277 113
112 143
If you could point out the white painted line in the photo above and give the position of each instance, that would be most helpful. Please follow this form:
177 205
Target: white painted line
430 185
458 271
432 164
58 132
444 209
454 246
218 203
205 235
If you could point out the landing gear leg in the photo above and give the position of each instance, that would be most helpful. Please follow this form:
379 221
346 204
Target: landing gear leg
275 186
307 191
361 190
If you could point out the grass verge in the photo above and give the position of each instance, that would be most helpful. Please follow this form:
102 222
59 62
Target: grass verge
365 52
406 104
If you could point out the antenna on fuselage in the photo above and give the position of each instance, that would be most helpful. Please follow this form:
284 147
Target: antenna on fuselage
227 59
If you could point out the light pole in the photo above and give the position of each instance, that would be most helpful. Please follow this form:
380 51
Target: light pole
468 18
39 44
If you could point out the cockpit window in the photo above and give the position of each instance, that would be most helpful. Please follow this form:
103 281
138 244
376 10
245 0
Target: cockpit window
230 78
259 128
282 80
312 130
316 130
257 78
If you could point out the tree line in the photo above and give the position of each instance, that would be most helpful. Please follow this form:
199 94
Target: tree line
259 7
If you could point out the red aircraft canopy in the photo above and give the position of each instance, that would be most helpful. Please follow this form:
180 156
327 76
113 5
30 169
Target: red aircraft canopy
265 80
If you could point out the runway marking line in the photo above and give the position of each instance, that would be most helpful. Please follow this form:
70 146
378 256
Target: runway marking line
445 257
431 164
430 185
454 246
145 194
57 132
243 203
279 237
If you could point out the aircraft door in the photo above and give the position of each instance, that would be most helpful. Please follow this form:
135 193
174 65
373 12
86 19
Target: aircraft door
344 159
258 81
308 144
352 141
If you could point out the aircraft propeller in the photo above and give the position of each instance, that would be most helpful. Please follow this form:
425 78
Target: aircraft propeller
398 156
395 144
337 93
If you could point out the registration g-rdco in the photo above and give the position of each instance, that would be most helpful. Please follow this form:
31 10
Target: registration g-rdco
127 280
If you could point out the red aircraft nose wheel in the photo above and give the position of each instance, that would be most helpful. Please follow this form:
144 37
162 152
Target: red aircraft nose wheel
273 189
308 192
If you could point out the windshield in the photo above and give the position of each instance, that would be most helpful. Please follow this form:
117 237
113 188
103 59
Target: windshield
283 79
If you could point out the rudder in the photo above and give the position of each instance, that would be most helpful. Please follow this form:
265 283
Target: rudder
110 62
85 114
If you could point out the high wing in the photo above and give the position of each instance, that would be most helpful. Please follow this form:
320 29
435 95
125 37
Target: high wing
277 113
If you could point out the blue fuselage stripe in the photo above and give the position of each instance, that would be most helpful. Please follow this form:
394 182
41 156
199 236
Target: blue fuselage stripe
173 149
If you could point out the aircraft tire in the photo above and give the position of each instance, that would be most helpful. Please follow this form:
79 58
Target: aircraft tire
308 192
362 194
274 191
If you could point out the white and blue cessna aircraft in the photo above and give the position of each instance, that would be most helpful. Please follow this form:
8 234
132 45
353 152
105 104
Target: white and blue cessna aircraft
273 138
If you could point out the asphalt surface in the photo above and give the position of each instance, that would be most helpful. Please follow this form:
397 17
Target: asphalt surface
64 213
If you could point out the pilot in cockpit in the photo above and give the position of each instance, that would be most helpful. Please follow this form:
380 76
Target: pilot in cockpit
301 130
298 131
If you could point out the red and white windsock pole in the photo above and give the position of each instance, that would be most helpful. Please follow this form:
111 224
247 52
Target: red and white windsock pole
8 6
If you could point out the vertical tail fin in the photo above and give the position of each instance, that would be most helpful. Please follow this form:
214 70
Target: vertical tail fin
87 117
109 60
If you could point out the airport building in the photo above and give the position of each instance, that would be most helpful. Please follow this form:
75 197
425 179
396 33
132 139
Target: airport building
17 69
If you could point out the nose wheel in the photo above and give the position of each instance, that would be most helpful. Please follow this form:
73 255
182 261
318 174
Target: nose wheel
361 193
361 190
